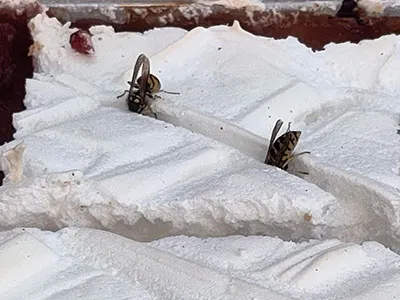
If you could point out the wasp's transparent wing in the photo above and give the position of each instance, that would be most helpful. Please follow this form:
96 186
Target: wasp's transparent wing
139 62
275 131
144 79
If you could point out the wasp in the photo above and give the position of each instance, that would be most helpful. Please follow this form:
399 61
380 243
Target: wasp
142 89
280 150
146 86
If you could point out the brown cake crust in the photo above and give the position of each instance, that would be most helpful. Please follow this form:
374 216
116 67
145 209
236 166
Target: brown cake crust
15 66
312 28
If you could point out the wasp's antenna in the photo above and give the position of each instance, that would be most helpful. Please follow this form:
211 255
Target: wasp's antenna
123 94
288 127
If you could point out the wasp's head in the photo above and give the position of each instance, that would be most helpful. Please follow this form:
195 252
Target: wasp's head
134 103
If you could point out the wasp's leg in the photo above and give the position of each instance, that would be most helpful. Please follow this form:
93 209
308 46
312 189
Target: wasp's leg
123 94
301 153
303 173
171 93
293 156
147 111
149 106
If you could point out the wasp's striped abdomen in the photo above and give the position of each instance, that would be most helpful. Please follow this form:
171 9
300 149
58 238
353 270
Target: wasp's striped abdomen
282 149
153 84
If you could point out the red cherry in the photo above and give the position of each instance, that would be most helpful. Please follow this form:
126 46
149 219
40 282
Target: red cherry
81 41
